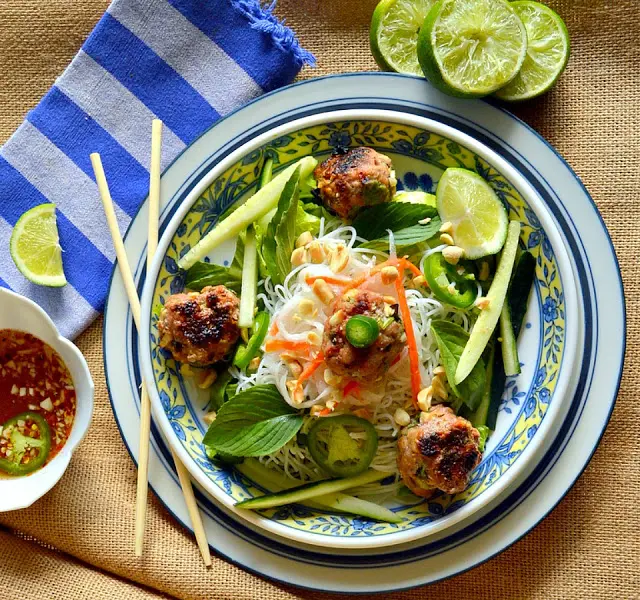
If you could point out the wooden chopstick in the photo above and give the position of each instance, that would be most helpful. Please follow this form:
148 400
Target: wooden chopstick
134 301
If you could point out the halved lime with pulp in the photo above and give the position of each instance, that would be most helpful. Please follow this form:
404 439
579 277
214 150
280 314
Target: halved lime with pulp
547 52
471 48
394 34
478 217
35 246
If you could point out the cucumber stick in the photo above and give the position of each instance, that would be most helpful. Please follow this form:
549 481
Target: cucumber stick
311 491
488 319
249 279
509 343
255 207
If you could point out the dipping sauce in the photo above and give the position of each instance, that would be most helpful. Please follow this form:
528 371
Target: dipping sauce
37 403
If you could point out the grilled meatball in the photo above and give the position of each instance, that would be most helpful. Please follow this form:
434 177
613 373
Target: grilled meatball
361 177
362 363
439 453
200 329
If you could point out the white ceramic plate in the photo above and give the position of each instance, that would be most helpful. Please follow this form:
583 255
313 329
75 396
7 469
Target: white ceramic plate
596 376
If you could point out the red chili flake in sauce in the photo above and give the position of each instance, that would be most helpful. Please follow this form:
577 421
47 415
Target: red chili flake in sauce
33 377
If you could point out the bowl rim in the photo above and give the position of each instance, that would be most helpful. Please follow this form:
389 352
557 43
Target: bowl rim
504 481
53 471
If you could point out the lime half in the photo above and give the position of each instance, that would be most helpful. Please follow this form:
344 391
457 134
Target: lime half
471 48
478 217
35 246
547 52
394 34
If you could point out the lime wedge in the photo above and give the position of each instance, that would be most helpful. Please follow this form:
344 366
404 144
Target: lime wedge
35 246
471 48
478 217
547 52
394 34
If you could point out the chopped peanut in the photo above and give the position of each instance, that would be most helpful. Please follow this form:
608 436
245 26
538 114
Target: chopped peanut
298 257
439 389
424 398
322 290
316 252
446 227
210 417
336 317
338 259
482 303
208 380
304 239
306 307
445 238
452 254
388 275
439 371
401 417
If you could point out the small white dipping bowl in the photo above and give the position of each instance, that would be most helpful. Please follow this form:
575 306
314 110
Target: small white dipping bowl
18 312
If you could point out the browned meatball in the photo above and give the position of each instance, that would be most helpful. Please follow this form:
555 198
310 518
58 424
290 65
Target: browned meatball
361 177
439 453
362 363
200 329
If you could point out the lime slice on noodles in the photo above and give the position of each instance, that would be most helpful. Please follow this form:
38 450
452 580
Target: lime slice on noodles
394 34
35 246
547 52
478 217
471 48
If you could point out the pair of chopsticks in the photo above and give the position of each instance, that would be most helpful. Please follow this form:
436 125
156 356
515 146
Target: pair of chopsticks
134 302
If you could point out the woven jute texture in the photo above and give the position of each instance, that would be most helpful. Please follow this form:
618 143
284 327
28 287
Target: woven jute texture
587 548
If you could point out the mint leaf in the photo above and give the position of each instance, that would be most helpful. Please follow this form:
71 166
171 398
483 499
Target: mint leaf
483 430
373 222
203 274
406 237
451 340
253 423
279 241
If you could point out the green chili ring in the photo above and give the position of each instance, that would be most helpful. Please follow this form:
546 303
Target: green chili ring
21 443
245 354
349 459
440 275
362 331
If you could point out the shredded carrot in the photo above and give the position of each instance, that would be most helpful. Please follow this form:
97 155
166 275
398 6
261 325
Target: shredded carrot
414 359
326 411
274 329
332 280
353 388
309 370
396 360
409 265
280 345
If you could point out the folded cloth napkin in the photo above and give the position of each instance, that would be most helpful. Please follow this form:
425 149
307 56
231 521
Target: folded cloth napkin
187 62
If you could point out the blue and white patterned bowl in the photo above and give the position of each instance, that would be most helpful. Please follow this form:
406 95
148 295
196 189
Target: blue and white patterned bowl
420 149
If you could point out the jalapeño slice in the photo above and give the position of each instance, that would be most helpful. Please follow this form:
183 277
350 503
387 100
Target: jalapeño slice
335 451
28 446
453 285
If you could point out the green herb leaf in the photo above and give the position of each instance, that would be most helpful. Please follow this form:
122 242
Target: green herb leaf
373 222
306 222
451 340
203 274
407 237
483 430
217 393
253 423
279 240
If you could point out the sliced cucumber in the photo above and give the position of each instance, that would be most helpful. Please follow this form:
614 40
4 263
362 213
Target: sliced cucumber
249 288
509 343
488 319
357 506
415 198
311 491
264 200
479 418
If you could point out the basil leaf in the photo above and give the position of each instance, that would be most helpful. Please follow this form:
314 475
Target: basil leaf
406 237
253 423
373 222
203 274
451 340
279 240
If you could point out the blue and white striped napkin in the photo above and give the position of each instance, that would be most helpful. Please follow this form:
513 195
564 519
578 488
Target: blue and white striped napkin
186 62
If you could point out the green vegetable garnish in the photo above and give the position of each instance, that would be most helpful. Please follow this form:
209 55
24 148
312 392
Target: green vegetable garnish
245 354
362 331
375 221
336 452
440 275
254 422
21 444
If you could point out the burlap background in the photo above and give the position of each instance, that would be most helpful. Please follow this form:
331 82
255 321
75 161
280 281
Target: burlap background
587 548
